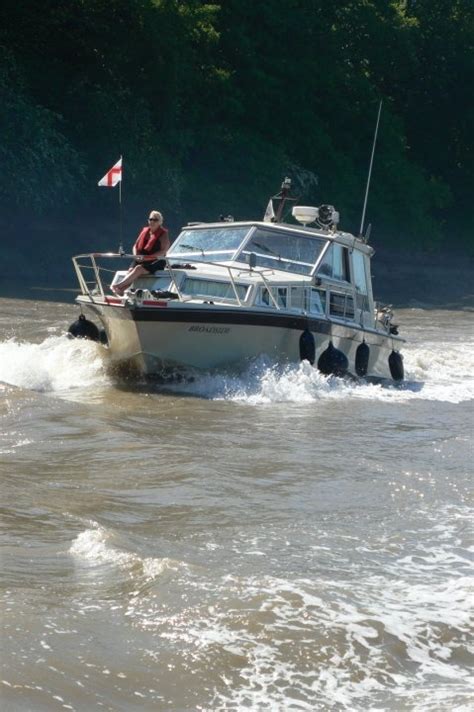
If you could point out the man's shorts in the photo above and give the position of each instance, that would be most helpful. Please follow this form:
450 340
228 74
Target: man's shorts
152 267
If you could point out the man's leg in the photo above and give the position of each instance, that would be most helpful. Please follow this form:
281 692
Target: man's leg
136 272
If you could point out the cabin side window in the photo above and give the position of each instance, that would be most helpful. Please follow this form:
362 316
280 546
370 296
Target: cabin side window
299 298
210 288
308 299
360 277
335 263
264 295
341 305
360 280
280 295
317 303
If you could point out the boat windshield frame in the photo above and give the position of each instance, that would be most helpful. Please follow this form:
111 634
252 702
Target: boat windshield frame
276 261
242 252
190 233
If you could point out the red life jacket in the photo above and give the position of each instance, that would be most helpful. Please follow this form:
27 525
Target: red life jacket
149 242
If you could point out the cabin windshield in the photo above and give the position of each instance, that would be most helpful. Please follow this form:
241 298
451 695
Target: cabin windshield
209 243
288 251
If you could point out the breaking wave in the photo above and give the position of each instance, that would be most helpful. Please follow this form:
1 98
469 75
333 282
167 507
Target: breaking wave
442 372
56 364
95 547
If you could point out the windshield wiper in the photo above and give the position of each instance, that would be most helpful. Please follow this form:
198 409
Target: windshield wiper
191 247
265 249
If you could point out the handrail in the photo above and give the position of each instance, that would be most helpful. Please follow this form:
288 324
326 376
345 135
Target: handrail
96 269
92 256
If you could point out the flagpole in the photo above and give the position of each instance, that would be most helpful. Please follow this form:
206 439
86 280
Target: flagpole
110 180
120 212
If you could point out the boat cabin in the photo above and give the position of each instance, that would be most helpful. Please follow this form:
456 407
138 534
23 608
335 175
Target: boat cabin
264 265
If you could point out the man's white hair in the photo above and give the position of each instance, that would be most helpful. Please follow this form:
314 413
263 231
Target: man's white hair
157 214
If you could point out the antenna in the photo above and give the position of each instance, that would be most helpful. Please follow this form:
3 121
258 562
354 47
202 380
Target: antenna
370 170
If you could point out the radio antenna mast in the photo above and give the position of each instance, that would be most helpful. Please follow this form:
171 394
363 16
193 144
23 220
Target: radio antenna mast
370 170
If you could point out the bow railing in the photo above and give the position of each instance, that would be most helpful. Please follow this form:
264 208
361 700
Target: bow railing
89 274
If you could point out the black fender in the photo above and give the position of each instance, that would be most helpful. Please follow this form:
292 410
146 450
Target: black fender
307 347
395 364
333 362
82 328
362 359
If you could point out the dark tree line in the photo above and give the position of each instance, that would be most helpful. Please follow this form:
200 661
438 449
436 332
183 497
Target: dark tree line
212 104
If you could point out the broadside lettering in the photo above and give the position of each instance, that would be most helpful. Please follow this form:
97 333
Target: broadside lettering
209 329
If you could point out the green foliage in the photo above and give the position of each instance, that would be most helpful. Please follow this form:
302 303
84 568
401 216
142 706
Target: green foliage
212 104
39 164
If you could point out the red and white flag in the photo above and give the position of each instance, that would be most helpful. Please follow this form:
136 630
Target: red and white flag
113 176
269 212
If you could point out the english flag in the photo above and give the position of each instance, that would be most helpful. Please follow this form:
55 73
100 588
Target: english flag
113 176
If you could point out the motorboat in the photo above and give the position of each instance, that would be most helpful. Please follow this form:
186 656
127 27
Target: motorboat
231 291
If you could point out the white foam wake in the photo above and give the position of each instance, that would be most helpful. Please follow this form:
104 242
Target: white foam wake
440 373
56 364
445 370
437 372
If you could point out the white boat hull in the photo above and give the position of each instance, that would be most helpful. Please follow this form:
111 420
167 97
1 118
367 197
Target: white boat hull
174 336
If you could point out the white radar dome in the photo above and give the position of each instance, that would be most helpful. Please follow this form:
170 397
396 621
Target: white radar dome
305 214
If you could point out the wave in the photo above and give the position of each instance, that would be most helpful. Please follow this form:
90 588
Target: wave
95 547
438 372
443 373
55 364
385 634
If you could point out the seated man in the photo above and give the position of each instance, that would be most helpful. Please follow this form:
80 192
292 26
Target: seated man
151 244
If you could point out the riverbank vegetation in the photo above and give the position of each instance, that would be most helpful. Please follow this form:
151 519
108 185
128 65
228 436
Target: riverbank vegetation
212 104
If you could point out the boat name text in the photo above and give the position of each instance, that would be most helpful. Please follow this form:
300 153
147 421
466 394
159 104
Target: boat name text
209 329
